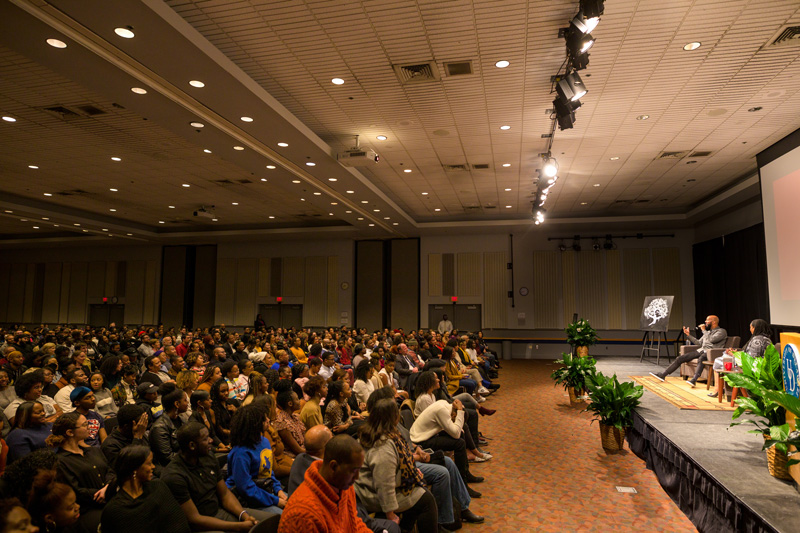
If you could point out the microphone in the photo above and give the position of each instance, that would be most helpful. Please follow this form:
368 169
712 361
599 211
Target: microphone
700 325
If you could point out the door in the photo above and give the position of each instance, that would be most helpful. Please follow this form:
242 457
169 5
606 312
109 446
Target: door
282 315
467 317
101 315
271 314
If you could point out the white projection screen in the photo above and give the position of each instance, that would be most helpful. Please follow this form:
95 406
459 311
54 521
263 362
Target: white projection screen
780 194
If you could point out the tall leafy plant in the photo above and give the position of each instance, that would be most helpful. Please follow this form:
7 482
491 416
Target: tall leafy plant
613 401
581 333
574 371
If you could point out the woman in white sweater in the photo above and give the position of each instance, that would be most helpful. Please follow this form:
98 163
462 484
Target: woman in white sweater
363 386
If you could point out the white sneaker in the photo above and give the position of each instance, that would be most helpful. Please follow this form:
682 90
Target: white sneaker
484 390
478 460
480 399
656 376
487 455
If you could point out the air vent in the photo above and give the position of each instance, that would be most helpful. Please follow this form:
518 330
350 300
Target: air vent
455 168
417 72
672 155
480 166
787 35
62 112
244 181
72 192
700 154
642 201
91 110
489 206
224 182
472 208
458 68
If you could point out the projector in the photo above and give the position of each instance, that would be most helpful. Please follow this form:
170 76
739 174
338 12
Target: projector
358 157
203 213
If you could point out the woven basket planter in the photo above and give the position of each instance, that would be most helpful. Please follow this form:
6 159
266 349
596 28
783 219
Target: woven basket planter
612 438
583 351
777 463
575 396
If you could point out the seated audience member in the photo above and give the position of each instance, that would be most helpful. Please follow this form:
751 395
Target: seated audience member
288 424
713 337
314 364
50 389
131 430
15 367
212 375
111 368
389 480
29 431
53 505
163 439
281 462
250 469
186 380
456 378
325 502
29 388
300 375
338 416
223 410
153 373
14 518
281 359
75 378
84 468
7 392
328 365
202 413
148 396
104 401
142 504
124 392
363 385
316 389
195 480
258 386
388 377
297 351
84 402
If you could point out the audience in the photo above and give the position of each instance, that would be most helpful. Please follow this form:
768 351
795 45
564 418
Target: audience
316 389
53 505
29 431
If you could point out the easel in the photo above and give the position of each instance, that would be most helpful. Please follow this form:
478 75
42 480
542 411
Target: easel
654 338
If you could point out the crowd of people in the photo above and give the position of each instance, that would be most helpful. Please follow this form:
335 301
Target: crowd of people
126 429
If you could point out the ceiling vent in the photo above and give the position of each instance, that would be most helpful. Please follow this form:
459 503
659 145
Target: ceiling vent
72 192
455 168
417 72
672 155
700 154
472 208
458 68
787 35
62 112
244 181
490 206
223 182
91 110
481 166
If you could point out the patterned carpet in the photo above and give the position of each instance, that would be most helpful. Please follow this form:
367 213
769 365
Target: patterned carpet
549 472
678 392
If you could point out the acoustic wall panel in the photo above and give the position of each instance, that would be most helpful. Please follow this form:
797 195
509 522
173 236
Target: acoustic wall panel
369 310
495 290
134 290
468 274
545 290
448 275
52 293
95 284
150 293
226 291
205 277
16 291
38 293
332 314
5 281
173 286
315 294
78 279
404 284
568 285
63 301
275 276
122 272
293 276
667 281
27 300
110 286
263 277
591 288
246 281
614 289
637 284
434 274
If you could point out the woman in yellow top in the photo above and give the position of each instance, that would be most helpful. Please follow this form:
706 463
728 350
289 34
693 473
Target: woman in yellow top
297 351
454 376
315 388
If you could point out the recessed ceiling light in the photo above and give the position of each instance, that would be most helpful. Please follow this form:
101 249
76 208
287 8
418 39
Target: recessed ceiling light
424 194
387 218
86 231
56 226
185 185
505 127
113 190
360 218
34 167
642 117
350 192
206 150
283 145
8 211
247 119
377 210
302 199
371 225
310 164
45 218
138 90
506 165
596 185
395 223
364 201
160 221
271 167
198 84
48 194
334 203
584 203
35 227
105 229
508 207
113 210
381 137
508 190
239 148
9 119
25 220
408 170
263 179
197 125
317 194
692 46
348 212
116 159
437 209
614 158
124 32
171 206
55 43
332 179
502 63
76 225
234 203
296 181
337 81
271 216
330 214
129 234
214 220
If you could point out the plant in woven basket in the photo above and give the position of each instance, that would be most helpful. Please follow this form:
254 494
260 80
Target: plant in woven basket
581 333
780 436
574 371
612 402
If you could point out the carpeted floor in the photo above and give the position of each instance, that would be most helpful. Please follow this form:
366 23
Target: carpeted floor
677 391
549 472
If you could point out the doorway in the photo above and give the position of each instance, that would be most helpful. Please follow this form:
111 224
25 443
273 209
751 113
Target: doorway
465 317
101 315
282 315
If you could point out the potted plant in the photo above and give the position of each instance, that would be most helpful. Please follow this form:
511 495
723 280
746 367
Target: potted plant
573 375
581 335
762 376
612 404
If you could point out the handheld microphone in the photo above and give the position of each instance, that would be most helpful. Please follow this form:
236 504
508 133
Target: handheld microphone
700 325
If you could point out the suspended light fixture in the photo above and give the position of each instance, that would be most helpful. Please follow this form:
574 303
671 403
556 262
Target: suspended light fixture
565 112
583 24
550 168
578 42
592 8
571 87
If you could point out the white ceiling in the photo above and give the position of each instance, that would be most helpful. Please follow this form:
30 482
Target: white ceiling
274 60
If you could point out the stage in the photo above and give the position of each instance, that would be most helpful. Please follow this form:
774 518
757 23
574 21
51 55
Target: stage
717 475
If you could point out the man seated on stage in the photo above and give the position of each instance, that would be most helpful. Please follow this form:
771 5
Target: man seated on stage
713 337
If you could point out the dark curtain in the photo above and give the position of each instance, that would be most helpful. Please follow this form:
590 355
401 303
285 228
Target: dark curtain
730 280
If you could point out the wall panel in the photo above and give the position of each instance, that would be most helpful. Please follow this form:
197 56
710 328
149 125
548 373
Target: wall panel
63 301
495 289
150 307
293 276
52 293
27 301
448 274
246 282
369 285
591 288
614 289
468 274
667 281
79 273
134 291
96 282
545 290
315 305
637 284
568 285
5 281
226 291
205 277
404 284
173 286
263 277
434 274
332 313
16 291
110 286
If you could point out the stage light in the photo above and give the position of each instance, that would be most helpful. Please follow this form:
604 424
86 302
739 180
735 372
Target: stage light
538 216
565 112
550 167
577 42
583 24
596 245
571 87
609 244
579 62
592 8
